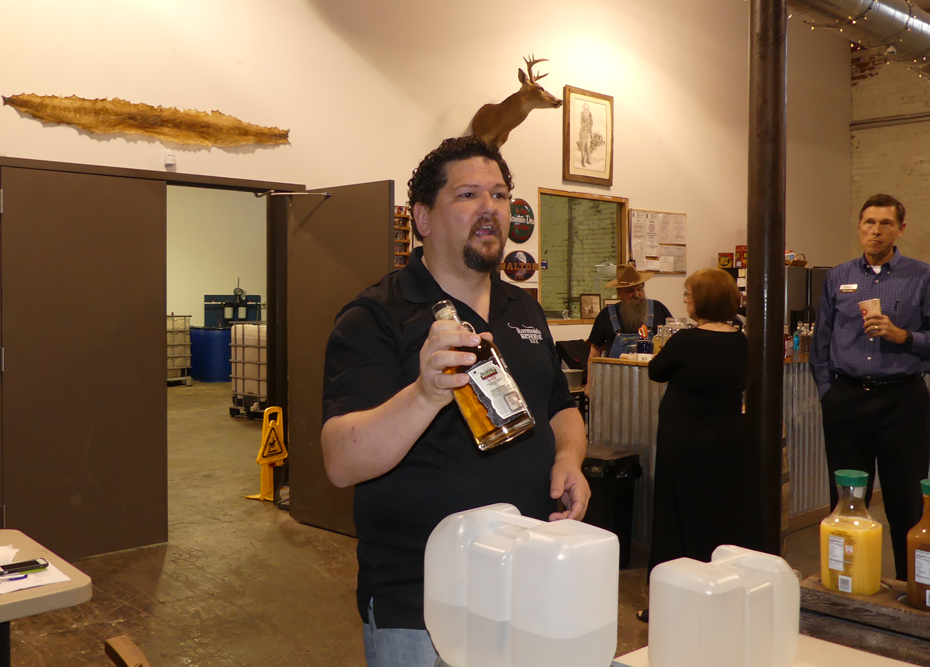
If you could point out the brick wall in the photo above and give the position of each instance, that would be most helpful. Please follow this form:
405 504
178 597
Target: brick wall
593 226
891 154
553 243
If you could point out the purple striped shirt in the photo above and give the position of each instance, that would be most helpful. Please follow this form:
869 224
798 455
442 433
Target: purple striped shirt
840 346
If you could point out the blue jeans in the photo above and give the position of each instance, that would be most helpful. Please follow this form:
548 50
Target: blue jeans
396 647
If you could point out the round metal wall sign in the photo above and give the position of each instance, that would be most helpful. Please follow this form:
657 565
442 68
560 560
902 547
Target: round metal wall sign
519 266
522 221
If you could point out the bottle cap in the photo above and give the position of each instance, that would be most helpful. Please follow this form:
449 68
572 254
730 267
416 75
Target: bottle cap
851 478
925 486
445 310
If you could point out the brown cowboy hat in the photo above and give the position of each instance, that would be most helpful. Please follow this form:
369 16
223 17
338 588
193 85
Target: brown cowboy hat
628 276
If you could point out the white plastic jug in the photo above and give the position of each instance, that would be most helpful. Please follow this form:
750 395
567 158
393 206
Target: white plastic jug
741 610
504 590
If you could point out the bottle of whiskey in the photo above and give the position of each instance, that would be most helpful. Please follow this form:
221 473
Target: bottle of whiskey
491 402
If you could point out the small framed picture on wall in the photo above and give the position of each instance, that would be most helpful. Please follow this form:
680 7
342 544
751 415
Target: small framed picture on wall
590 306
587 137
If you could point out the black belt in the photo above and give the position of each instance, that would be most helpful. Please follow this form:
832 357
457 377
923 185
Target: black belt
869 385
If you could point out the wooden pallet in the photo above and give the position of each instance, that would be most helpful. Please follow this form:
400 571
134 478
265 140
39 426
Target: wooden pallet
180 381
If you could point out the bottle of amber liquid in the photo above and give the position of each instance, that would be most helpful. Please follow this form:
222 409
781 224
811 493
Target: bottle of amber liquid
918 557
491 402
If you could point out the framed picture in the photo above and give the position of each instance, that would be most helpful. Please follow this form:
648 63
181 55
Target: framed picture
608 302
590 305
587 137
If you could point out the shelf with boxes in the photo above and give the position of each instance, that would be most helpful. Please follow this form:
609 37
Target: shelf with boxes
403 235
179 349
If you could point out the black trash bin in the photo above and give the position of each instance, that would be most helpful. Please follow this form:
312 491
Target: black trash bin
612 473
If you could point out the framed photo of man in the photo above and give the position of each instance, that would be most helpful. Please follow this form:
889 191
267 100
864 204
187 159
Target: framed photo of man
590 306
587 137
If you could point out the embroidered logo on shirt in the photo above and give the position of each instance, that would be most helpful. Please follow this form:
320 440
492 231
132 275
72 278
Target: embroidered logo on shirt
531 334
851 287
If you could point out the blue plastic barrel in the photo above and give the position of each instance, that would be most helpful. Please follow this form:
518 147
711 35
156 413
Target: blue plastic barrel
210 354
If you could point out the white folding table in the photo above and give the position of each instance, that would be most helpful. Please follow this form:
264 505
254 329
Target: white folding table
38 600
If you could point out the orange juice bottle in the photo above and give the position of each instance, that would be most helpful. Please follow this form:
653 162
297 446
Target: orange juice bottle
850 541
918 556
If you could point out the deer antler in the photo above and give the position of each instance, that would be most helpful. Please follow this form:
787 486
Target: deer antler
529 67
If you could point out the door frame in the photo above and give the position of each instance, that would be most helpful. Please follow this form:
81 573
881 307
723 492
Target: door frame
276 250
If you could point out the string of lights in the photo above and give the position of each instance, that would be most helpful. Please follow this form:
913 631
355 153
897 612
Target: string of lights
901 27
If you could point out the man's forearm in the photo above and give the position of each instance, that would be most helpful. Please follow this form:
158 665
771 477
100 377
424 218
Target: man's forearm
363 445
568 482
571 442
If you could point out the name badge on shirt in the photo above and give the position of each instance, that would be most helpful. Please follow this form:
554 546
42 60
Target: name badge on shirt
852 287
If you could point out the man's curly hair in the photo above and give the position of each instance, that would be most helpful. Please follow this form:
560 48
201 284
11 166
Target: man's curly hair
430 176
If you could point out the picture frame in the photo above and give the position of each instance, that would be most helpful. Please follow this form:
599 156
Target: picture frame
608 302
590 305
587 136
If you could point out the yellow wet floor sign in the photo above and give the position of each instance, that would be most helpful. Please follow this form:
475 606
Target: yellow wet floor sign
272 452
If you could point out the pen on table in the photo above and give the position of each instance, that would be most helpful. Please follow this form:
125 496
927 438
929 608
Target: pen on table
14 577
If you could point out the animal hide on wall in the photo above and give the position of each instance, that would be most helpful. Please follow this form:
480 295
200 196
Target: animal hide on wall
105 116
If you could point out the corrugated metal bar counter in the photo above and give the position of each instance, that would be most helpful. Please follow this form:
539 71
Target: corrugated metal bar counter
624 413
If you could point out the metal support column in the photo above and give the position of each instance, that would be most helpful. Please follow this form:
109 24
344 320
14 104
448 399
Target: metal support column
766 236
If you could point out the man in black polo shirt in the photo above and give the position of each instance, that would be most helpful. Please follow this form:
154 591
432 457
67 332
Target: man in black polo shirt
390 425
869 369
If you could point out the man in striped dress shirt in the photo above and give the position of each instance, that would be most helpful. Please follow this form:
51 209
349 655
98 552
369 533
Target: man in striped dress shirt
869 369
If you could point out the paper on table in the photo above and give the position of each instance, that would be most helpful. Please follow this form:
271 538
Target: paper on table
8 554
50 575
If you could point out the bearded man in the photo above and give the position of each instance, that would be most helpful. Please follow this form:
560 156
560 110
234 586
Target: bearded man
618 323
390 426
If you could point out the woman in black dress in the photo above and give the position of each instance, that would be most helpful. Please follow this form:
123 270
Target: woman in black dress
701 493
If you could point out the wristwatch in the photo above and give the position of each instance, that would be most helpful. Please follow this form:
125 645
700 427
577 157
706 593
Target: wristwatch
908 338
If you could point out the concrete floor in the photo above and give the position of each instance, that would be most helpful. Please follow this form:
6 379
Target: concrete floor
240 583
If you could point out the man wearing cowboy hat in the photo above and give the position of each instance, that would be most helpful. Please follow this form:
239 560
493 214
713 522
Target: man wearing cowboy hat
625 317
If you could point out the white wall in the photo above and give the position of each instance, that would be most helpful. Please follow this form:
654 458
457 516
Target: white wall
216 238
368 88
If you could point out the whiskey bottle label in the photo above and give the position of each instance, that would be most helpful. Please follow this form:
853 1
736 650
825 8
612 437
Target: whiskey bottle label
496 390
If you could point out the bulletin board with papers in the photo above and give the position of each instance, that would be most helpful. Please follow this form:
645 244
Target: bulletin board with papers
657 241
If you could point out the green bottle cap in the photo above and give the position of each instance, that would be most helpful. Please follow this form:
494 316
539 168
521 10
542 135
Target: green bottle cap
851 478
925 486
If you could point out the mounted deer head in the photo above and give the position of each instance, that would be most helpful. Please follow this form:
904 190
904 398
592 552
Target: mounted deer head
493 122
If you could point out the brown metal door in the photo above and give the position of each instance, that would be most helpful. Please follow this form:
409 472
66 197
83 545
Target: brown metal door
337 247
84 423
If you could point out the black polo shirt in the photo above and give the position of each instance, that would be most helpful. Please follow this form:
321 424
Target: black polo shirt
373 352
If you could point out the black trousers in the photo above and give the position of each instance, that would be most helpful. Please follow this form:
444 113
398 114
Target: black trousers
889 425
